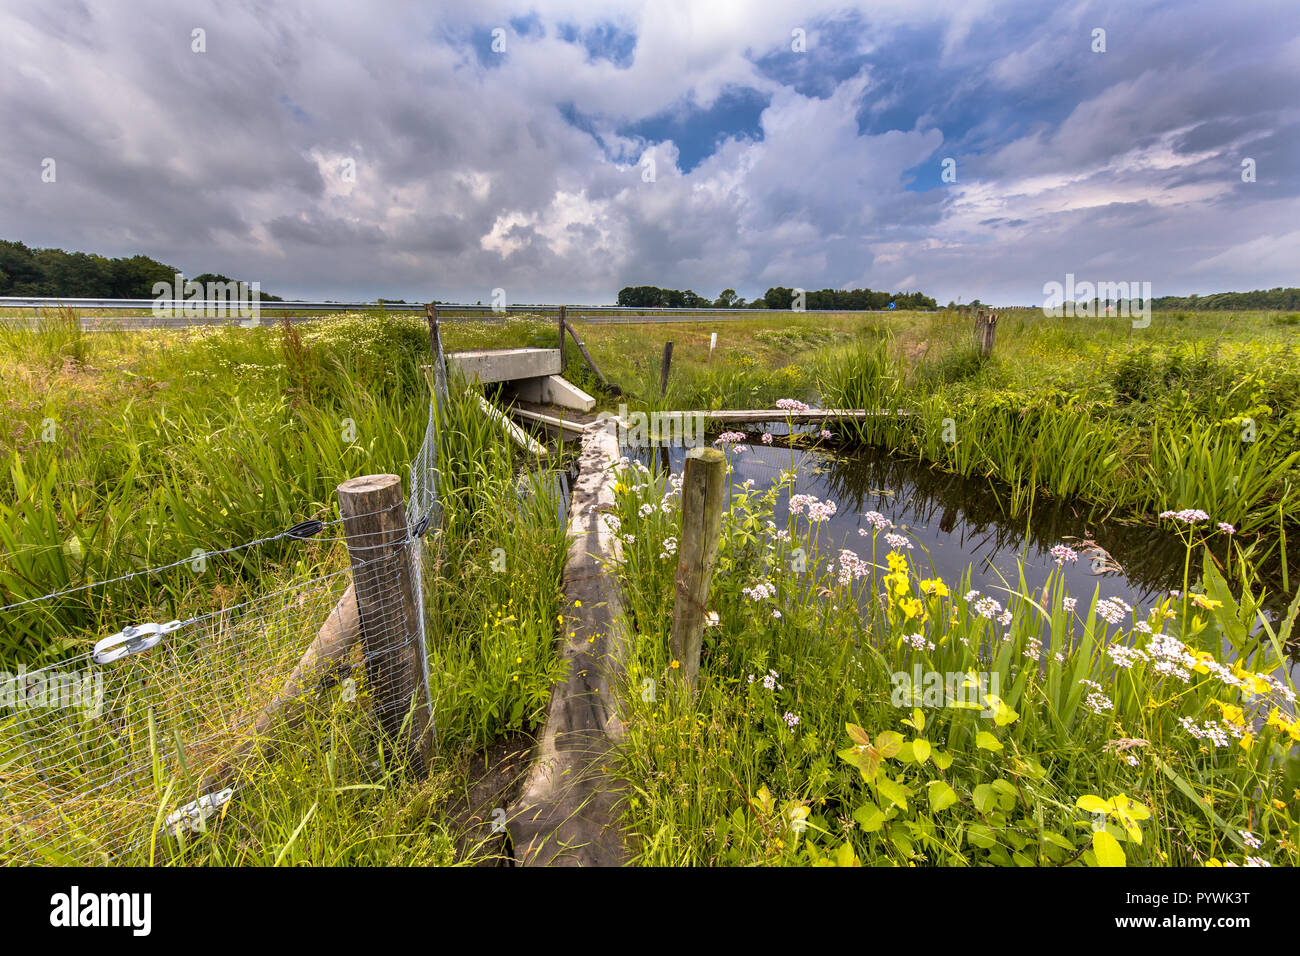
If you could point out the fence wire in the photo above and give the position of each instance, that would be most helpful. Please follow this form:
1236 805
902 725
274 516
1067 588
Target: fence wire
154 733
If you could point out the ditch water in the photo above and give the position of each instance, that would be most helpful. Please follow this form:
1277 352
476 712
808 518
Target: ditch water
956 523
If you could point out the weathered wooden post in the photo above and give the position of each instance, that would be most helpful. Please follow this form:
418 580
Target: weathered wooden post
703 491
561 340
435 349
986 324
383 576
586 356
663 368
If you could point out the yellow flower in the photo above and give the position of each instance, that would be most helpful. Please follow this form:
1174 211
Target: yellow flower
1278 720
1200 600
910 607
1233 715
934 587
896 561
675 664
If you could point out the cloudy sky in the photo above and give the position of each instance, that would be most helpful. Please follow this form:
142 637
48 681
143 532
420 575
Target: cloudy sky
562 150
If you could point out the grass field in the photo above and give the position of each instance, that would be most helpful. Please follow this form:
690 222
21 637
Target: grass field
129 450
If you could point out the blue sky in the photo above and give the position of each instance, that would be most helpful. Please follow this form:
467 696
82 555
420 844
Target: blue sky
563 150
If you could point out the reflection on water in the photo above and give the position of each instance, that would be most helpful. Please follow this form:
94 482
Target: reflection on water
960 523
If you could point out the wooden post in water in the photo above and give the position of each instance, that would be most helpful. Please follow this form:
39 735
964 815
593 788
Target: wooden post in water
374 521
986 324
663 369
704 485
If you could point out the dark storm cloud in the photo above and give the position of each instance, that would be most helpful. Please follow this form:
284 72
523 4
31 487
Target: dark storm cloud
524 169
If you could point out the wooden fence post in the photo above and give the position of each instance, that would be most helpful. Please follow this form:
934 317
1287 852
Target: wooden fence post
663 369
383 576
435 349
561 340
986 324
586 356
703 490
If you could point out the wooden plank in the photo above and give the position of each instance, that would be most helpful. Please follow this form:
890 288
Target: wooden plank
781 415
521 437
568 812
564 424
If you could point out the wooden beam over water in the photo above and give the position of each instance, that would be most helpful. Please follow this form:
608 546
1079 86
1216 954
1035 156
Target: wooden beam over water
781 414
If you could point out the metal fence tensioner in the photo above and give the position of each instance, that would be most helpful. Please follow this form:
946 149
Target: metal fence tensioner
132 639
194 816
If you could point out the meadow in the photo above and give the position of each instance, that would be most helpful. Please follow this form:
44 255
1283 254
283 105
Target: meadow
129 450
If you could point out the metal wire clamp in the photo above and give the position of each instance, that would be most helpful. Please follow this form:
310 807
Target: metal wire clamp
132 640
193 817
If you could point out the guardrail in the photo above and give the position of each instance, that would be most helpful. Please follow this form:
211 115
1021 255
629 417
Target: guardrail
179 306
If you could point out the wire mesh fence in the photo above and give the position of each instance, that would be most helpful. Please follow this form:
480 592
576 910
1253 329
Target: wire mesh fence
152 734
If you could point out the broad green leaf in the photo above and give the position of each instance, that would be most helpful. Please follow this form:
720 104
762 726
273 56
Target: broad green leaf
892 791
983 798
986 741
869 817
920 749
942 759
981 836
888 742
942 796
1108 850
901 840
1090 803
865 764
858 735
1004 715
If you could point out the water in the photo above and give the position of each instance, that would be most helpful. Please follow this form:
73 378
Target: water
957 523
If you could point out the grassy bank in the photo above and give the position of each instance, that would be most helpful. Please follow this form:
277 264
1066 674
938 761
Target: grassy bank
163 444
866 712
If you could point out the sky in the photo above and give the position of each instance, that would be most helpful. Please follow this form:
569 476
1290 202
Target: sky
561 151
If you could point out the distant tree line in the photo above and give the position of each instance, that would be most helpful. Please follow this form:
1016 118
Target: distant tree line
1279 298
81 275
779 297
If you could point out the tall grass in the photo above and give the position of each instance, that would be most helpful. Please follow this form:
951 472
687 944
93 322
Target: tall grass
1204 437
213 438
